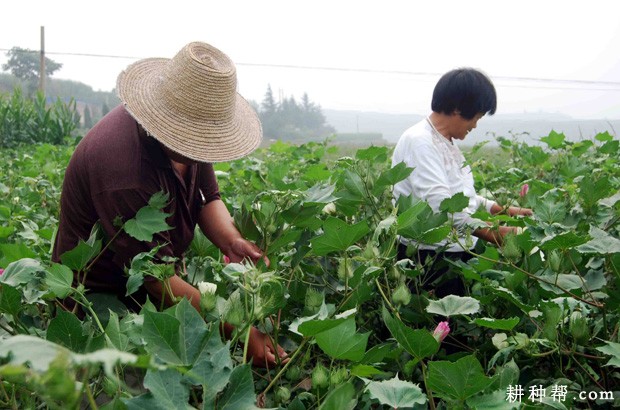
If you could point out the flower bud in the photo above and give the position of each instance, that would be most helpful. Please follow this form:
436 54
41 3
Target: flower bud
441 331
524 190
402 295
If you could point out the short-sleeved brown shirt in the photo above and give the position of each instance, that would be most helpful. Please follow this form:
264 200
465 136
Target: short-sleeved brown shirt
113 173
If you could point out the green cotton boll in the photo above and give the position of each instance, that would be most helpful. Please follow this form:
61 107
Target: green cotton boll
555 261
235 312
320 377
338 376
313 301
578 327
282 395
293 373
510 249
345 270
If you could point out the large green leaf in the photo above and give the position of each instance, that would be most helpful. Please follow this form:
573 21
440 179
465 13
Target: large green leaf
176 335
393 175
12 252
10 300
549 210
320 194
396 393
147 222
565 240
456 203
453 305
591 191
213 366
78 257
601 243
39 354
340 398
501 324
166 391
59 279
493 401
239 394
342 342
36 352
116 337
420 342
338 236
612 349
21 272
554 140
66 329
457 380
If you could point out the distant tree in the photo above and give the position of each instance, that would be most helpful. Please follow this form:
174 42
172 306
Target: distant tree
268 105
88 118
288 120
104 109
25 64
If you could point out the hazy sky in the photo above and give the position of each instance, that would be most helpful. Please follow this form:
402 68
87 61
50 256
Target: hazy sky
543 55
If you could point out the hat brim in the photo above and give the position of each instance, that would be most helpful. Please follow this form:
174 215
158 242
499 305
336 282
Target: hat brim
197 139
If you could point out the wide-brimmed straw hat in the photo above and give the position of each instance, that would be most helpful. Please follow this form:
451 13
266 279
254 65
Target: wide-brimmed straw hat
190 104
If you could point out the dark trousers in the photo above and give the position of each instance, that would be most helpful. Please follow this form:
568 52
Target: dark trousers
438 276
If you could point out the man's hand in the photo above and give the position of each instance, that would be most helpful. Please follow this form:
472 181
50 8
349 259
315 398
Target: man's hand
262 350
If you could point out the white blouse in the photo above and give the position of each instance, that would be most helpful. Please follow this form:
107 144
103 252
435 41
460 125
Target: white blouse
439 172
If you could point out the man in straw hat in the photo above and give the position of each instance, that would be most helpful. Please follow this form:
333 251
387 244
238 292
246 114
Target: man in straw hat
178 116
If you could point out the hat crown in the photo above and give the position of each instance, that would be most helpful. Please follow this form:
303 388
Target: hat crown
200 84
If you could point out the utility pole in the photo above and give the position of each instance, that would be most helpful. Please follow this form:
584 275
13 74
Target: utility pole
42 62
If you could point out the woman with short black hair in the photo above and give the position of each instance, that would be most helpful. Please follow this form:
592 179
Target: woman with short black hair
460 99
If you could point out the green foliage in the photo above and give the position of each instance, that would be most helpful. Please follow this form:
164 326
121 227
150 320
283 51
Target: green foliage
358 326
25 121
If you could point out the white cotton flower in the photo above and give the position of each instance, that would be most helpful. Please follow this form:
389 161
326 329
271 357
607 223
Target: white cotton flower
207 288
329 209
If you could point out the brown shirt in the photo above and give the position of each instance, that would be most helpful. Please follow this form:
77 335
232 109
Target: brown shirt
113 173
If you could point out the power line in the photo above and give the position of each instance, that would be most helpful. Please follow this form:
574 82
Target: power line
382 71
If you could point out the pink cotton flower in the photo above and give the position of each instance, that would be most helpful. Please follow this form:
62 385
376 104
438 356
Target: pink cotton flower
441 331
524 190
1 271
226 259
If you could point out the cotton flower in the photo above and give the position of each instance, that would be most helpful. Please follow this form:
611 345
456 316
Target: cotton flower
1 271
441 331
226 259
524 190
329 209
207 295
207 288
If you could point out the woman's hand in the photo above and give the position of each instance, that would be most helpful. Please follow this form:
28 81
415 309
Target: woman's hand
262 351
518 211
241 249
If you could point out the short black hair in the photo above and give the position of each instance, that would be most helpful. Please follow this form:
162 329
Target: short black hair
466 90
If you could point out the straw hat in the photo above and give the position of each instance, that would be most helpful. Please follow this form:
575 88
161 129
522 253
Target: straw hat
190 104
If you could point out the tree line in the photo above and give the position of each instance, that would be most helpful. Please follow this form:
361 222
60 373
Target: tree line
285 119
